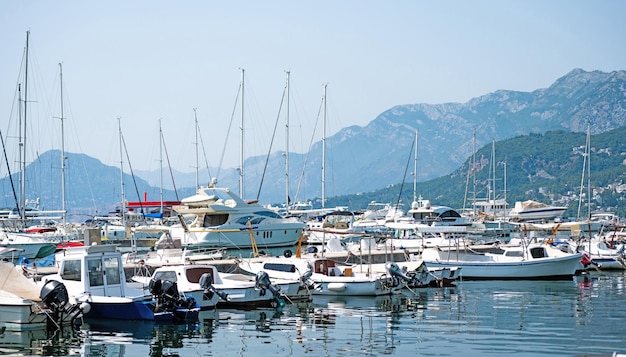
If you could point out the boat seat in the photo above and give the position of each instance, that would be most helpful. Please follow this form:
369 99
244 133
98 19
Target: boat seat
341 225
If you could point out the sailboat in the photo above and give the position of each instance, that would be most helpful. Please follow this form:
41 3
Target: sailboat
14 233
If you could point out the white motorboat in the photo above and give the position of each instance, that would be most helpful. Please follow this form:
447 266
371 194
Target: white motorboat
30 245
603 252
216 217
338 225
26 306
423 211
529 261
535 211
209 287
415 236
94 276
169 251
325 276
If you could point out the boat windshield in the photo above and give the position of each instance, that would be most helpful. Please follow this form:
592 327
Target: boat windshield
71 270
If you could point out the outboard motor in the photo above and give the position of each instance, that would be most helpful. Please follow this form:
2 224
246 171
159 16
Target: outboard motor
420 276
55 298
54 295
306 281
394 270
263 283
398 274
167 296
206 283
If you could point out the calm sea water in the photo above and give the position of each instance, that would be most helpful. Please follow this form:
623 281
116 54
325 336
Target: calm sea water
583 316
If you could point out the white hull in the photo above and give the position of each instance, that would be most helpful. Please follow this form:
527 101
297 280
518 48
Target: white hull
475 266
239 237
326 278
240 290
19 314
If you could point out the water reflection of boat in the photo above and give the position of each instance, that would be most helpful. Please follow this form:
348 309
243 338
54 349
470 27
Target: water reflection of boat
22 342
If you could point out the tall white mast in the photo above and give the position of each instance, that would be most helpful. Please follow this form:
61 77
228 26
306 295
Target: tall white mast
123 213
415 170
195 115
62 118
241 132
287 148
161 167
23 138
586 165
324 152
493 171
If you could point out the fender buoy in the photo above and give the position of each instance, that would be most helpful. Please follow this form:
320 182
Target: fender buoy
585 259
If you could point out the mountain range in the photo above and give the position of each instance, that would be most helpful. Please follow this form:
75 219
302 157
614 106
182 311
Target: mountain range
358 159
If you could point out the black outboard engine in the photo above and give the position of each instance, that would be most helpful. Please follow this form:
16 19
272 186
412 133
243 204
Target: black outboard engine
54 295
55 298
206 283
167 296
263 283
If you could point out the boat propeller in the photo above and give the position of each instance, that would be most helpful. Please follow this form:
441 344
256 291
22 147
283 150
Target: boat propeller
206 283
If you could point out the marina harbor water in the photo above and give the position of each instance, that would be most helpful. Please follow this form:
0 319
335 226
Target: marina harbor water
582 316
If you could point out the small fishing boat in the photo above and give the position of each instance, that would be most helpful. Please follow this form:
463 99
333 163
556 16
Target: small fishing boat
209 287
325 276
527 261
26 306
94 276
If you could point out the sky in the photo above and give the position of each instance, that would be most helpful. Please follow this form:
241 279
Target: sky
139 68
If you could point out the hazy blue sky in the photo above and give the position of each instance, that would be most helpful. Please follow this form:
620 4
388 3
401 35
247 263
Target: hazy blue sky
148 60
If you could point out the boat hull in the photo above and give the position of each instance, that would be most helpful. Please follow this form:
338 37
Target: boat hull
545 269
122 309
349 287
283 235
17 314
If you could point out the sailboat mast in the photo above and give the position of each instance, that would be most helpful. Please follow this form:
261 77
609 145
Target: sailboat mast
123 213
23 136
586 157
324 152
287 200
415 170
474 172
160 167
493 171
195 115
241 135
62 118
589 170
20 203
